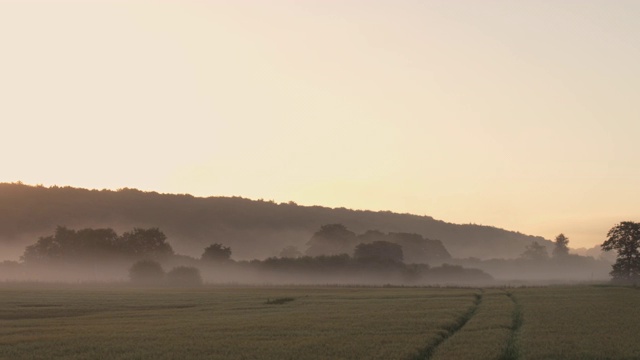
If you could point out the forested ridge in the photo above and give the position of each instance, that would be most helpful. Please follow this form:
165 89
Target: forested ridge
253 228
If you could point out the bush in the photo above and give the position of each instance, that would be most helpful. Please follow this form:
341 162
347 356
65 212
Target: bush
146 272
184 276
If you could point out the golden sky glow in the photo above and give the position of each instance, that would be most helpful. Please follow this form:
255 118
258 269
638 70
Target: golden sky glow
518 114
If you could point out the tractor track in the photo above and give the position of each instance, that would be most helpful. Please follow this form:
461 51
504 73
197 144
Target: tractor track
428 351
511 351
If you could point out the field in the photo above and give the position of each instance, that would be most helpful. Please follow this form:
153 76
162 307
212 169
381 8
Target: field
99 322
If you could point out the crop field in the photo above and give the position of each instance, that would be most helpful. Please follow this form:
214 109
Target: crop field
100 322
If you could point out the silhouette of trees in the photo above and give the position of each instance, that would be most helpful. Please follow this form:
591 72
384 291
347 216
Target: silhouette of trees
379 251
184 276
370 236
535 252
216 252
419 250
346 267
322 264
68 245
625 239
331 239
145 242
334 239
146 272
561 248
290 252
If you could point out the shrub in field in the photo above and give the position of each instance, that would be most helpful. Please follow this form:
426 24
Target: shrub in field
184 276
146 272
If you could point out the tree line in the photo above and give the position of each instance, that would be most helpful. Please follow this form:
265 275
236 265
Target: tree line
69 245
332 247
148 249
335 239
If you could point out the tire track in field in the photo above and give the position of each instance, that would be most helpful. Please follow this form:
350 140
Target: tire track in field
511 351
427 352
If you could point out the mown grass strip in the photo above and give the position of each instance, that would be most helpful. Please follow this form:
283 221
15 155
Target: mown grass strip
428 351
511 351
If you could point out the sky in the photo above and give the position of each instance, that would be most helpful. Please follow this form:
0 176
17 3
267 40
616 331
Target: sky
522 115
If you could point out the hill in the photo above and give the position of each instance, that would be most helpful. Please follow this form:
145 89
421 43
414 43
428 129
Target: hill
252 228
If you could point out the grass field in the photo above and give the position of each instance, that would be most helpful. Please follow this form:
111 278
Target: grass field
96 322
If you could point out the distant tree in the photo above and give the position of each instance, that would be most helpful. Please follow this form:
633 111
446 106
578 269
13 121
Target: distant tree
216 252
455 273
378 251
418 250
290 252
535 252
83 245
145 243
184 276
625 239
561 246
71 245
331 239
94 243
146 272
372 235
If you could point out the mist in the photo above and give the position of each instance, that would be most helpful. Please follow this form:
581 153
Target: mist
76 235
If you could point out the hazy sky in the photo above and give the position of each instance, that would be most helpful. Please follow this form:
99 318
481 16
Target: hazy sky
519 114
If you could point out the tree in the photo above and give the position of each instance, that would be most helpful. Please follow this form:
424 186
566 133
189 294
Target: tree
561 246
146 272
68 245
625 239
331 239
145 243
73 246
419 250
379 251
216 252
535 252
290 252
184 276
370 236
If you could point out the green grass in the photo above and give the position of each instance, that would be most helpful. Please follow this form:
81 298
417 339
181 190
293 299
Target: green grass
72 322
